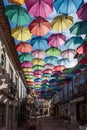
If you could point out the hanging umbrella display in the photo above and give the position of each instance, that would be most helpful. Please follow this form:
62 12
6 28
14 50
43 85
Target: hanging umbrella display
53 51
19 2
69 53
25 57
37 79
41 8
48 66
39 27
51 60
29 79
38 61
68 71
23 47
38 67
29 76
38 72
82 12
72 62
39 43
38 54
17 14
74 42
82 49
27 69
62 61
59 68
79 28
61 22
48 71
26 64
56 40
21 33
67 6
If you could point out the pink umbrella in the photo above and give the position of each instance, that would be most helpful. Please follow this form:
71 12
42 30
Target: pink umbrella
26 64
48 66
38 72
56 40
41 8
38 54
69 53
82 12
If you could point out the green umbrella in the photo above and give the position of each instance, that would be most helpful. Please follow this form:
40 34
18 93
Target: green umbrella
79 28
17 14
25 57
29 76
53 51
67 71
38 67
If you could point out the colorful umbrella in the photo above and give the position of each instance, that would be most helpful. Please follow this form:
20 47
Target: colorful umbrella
17 14
82 12
38 54
51 60
19 2
38 67
48 66
82 49
59 68
29 76
39 26
61 22
68 70
23 47
48 71
26 64
79 28
27 69
38 72
39 43
69 53
21 33
41 8
67 6
38 61
53 51
25 57
74 42
56 40
62 61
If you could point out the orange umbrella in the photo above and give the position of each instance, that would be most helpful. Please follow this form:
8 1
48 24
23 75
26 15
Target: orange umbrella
39 26
23 47
19 2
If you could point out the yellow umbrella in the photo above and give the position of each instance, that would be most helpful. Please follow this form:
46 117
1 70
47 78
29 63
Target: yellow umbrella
21 33
30 79
61 22
19 2
27 69
38 61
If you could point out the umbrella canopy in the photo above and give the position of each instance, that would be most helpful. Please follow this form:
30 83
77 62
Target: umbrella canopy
82 12
53 51
51 60
26 64
39 26
59 68
19 2
38 61
21 33
62 61
67 6
69 53
61 22
82 49
39 43
23 47
17 14
74 42
48 71
41 8
38 72
48 66
38 54
68 70
27 69
56 40
25 57
79 28
38 67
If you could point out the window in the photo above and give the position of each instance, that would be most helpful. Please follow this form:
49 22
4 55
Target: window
11 73
3 60
2 114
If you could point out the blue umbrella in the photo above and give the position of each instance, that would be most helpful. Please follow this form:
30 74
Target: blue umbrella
39 43
51 60
67 6
74 42
62 61
37 79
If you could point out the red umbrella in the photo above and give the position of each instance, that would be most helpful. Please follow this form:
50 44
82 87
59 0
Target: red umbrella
59 68
82 12
39 26
82 49
41 8
56 40
23 47
48 71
